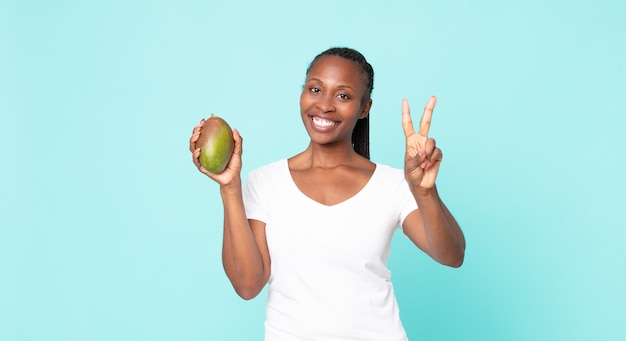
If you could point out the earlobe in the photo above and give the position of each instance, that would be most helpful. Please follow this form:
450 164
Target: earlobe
366 109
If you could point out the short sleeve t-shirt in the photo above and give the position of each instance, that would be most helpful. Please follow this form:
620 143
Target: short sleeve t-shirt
329 279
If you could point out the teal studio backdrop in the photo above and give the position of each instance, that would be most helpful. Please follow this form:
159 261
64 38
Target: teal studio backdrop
108 232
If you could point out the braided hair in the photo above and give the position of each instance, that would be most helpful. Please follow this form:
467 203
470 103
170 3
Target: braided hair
361 132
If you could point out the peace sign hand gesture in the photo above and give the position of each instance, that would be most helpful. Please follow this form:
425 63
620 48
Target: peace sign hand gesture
422 158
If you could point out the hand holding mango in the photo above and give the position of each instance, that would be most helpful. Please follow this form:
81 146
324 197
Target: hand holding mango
216 144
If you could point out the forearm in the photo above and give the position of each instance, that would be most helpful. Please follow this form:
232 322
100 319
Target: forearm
444 238
241 257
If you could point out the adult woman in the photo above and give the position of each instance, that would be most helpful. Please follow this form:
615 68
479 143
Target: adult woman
318 226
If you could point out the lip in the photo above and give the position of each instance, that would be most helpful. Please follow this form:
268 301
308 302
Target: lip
322 124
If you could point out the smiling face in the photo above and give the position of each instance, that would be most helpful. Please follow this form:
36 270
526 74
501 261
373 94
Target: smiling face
333 99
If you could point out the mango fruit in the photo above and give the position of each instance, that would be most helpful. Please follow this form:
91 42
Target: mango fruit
216 144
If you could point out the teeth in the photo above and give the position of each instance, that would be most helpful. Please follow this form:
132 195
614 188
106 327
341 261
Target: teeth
322 122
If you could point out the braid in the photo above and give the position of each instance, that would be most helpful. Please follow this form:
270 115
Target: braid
360 134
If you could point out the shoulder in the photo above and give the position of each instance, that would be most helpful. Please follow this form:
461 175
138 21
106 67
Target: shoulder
389 176
270 167
268 171
389 171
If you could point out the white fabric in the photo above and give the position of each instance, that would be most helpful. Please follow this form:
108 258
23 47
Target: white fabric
329 279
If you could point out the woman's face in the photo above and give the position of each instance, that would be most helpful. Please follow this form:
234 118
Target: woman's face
332 100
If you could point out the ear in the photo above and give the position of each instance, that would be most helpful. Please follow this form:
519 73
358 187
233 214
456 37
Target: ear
365 110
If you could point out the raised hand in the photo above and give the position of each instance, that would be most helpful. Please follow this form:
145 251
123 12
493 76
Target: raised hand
233 169
422 158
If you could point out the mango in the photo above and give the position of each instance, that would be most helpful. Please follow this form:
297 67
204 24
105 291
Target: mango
216 144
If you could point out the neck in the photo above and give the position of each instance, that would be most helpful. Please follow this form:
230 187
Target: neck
328 157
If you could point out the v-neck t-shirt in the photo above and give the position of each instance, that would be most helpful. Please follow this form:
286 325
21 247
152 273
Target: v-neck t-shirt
329 277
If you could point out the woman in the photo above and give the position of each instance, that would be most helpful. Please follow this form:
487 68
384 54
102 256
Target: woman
318 226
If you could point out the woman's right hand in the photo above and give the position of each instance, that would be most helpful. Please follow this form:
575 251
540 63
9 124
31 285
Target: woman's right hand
232 171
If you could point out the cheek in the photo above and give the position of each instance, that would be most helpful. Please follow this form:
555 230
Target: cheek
303 107
305 103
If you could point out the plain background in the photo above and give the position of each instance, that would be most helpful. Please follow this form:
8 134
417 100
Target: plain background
108 232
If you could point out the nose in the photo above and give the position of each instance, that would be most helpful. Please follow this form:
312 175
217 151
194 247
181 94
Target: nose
326 103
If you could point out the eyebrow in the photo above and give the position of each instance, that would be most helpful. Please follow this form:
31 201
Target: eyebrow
339 86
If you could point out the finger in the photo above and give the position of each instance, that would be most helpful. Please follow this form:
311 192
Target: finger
427 116
435 159
407 123
195 135
193 140
195 155
428 152
429 147
238 142
437 155
198 126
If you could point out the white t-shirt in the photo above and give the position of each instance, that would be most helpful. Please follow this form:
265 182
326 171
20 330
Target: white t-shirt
329 279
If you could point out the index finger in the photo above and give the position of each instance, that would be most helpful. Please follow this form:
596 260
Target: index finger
427 116
407 123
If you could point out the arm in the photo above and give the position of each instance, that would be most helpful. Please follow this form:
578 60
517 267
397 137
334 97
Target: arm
432 228
245 256
244 250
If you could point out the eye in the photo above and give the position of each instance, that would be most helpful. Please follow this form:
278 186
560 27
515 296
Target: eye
314 89
344 96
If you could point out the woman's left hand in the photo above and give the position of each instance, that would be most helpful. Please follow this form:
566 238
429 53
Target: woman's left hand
422 158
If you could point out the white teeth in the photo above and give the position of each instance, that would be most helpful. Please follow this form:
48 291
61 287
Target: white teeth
322 122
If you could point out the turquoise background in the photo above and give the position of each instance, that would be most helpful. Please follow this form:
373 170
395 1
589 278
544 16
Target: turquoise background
108 232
